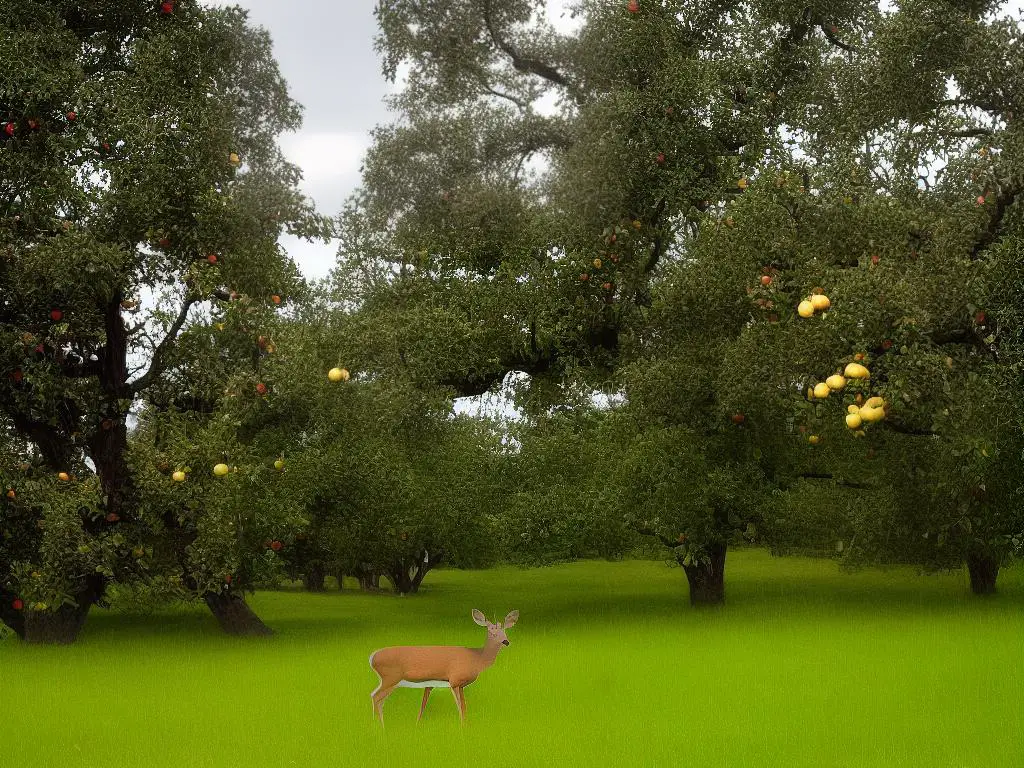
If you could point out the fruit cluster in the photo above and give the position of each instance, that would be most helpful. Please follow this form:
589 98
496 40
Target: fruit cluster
859 412
816 302
602 268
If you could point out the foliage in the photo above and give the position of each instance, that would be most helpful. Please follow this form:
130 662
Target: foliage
142 186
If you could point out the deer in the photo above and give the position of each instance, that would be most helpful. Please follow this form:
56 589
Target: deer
437 666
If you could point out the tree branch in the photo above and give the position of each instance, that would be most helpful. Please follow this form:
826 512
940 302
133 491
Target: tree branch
831 37
645 531
837 480
523 63
988 235
156 365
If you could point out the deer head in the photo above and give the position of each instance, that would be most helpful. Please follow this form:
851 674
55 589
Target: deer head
496 632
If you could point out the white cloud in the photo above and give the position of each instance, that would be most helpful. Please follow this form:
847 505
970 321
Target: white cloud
314 259
325 156
559 14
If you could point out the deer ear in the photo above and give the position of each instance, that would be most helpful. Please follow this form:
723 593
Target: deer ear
479 618
511 619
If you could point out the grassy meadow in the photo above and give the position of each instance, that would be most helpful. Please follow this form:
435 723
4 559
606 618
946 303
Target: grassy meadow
608 666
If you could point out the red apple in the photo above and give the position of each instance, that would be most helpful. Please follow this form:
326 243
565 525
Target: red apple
261 388
979 317
875 258
165 242
113 517
276 545
56 315
9 129
167 7
660 159
887 344
633 6
584 277
17 604
10 493
981 200
766 280
737 418
212 258
606 286
276 299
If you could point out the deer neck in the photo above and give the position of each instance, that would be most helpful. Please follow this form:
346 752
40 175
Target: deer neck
489 652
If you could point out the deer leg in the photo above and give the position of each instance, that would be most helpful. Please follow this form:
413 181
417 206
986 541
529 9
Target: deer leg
460 702
378 696
426 695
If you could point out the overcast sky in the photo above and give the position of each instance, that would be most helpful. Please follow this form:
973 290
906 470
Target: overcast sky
325 51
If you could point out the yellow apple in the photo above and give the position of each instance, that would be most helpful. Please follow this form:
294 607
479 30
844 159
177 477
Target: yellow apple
234 159
822 390
853 420
220 470
813 439
820 302
835 382
872 415
874 402
279 464
805 308
856 371
851 408
178 476
337 374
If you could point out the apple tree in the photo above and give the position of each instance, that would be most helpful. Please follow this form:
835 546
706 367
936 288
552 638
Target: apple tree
141 185
902 208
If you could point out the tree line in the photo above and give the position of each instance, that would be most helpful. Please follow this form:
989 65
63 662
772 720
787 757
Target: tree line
784 241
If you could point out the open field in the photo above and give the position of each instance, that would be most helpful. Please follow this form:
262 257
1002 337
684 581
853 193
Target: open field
608 666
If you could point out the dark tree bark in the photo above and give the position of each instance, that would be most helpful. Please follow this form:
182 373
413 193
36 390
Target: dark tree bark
368 581
314 577
707 580
234 616
14 619
983 569
62 626
407 578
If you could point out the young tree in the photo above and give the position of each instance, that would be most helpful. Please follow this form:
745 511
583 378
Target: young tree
138 159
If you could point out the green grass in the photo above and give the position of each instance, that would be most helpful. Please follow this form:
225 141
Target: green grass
608 666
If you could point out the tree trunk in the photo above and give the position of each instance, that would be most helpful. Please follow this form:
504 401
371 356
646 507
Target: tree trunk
401 579
60 627
426 564
314 577
983 569
368 581
707 580
14 619
234 616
